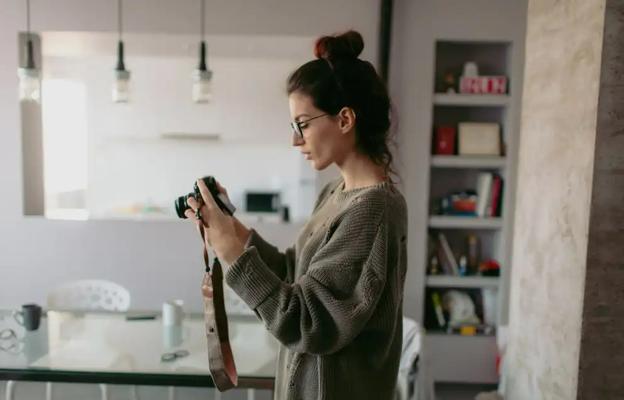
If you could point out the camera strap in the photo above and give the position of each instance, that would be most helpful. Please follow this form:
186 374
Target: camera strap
220 357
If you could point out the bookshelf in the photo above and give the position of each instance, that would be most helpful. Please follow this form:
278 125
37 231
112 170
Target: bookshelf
473 356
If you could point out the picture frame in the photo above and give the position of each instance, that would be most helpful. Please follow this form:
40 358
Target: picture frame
479 139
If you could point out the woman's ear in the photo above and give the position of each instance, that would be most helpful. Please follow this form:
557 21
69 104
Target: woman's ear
346 119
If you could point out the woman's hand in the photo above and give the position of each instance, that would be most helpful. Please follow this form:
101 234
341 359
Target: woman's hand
220 230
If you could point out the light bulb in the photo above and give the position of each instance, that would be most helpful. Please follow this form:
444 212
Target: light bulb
29 84
202 86
121 86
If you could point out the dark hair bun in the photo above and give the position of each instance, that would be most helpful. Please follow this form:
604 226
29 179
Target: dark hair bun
348 45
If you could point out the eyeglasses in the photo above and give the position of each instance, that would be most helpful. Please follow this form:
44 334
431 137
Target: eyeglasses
299 126
172 356
10 342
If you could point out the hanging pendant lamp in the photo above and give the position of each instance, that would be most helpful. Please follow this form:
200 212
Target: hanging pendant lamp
202 76
29 77
121 85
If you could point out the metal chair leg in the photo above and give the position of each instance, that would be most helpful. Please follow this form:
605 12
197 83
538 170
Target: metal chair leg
10 390
134 394
103 391
48 390
171 392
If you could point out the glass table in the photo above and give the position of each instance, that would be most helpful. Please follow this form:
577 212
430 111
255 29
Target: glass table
94 347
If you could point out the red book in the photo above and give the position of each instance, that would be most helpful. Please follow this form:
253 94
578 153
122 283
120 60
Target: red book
497 186
444 143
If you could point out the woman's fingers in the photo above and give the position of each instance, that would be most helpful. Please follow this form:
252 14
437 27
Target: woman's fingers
209 201
222 189
189 214
194 204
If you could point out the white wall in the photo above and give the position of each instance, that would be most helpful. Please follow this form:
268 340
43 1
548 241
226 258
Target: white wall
155 260
129 161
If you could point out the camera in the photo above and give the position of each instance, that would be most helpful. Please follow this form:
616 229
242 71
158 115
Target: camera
181 204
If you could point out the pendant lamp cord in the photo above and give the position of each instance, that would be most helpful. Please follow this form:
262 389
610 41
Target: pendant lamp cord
202 16
119 19
28 18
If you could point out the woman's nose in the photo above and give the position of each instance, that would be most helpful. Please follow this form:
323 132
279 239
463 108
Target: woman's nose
297 140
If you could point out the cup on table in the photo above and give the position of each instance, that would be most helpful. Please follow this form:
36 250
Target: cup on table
173 313
29 317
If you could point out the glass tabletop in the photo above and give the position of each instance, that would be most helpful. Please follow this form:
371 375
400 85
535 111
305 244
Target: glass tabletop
108 345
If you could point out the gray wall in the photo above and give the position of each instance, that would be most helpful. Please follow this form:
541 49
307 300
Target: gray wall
602 340
155 260
559 111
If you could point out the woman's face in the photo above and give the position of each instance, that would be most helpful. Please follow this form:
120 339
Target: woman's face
324 140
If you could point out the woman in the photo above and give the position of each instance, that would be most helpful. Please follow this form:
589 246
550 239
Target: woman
334 299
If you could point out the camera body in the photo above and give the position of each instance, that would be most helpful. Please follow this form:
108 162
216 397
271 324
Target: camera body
181 203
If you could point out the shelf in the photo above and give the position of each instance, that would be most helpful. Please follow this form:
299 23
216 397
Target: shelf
462 281
440 334
453 222
468 162
468 100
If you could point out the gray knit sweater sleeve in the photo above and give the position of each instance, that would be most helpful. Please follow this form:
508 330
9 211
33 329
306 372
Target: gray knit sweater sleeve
329 305
281 264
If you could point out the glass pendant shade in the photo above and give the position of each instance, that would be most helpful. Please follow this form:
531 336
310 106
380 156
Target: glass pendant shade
202 86
121 87
29 77
29 84
121 84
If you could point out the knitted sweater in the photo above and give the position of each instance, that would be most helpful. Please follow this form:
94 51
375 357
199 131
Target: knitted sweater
334 300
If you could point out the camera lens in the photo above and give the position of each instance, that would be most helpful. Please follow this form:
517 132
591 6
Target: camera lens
181 205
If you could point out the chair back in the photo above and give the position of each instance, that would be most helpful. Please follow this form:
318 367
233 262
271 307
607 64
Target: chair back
90 295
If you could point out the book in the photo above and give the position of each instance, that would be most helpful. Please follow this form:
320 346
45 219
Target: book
493 206
437 306
499 204
448 261
484 184
444 143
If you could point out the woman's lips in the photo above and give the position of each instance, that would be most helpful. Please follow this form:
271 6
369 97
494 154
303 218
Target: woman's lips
307 156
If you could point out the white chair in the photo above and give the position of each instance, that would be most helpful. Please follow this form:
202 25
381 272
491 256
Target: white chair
85 295
413 382
90 295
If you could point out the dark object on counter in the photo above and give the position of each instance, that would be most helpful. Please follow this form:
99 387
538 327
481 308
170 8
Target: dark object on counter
181 204
29 317
262 202
140 316
285 214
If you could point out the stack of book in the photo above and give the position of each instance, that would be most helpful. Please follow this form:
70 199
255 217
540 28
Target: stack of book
490 195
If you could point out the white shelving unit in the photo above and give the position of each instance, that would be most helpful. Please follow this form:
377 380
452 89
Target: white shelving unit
472 358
